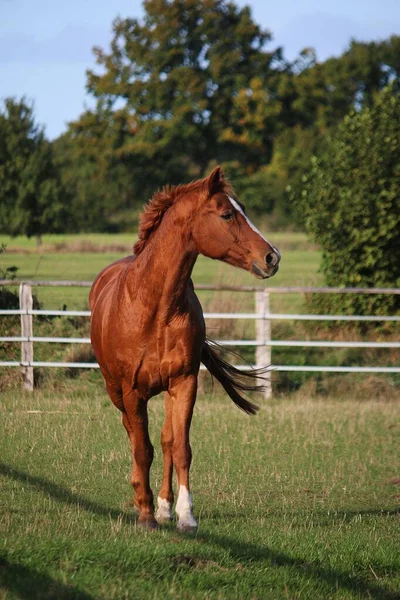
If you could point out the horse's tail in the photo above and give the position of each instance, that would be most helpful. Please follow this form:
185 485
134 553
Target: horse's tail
233 380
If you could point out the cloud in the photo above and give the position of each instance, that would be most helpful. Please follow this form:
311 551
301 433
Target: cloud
71 45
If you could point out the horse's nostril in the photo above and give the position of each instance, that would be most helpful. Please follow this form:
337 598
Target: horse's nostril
271 259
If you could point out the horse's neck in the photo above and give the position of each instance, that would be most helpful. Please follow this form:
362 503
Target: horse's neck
165 265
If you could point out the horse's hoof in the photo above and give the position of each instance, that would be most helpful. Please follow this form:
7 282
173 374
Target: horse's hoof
164 512
163 520
147 522
187 527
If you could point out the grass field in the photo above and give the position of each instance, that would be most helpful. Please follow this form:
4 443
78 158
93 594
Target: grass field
299 502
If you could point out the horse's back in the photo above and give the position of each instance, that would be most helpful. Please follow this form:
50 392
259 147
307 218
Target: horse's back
108 275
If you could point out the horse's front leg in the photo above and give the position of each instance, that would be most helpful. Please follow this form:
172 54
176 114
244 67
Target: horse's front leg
166 496
183 394
135 420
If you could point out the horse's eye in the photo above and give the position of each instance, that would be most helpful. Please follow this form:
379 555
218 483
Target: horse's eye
227 216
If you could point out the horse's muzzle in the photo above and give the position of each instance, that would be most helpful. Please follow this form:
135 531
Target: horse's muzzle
263 274
271 266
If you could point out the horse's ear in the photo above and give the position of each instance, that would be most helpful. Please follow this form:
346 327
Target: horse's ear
216 181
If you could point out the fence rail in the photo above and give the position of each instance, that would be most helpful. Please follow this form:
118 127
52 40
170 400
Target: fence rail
262 316
221 287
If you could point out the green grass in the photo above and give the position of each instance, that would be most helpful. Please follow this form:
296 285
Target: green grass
14 244
294 503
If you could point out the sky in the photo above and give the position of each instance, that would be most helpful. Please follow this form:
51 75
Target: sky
46 45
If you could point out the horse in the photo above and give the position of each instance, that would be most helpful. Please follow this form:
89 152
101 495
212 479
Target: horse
148 331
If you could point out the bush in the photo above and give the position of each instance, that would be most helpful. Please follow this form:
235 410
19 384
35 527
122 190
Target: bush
350 203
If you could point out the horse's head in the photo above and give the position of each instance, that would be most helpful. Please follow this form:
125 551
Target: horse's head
221 230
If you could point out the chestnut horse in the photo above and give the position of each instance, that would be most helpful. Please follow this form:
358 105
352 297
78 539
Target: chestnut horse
148 331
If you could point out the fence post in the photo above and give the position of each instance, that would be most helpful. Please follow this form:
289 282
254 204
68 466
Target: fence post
263 335
26 303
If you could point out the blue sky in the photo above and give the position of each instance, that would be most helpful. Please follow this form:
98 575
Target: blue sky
45 45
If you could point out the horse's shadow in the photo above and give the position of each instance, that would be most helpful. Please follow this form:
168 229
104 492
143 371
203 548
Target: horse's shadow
28 584
249 553
242 552
63 494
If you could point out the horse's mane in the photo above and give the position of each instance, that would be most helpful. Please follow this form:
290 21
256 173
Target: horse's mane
158 205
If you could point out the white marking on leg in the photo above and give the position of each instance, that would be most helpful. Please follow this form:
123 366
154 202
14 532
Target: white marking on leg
164 510
253 227
184 509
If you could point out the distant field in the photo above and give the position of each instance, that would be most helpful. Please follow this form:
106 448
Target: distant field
81 257
69 242
300 502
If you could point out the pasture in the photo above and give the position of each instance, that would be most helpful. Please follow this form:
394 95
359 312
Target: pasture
298 502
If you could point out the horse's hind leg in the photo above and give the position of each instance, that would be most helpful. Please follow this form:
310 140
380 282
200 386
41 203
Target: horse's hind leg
166 496
136 423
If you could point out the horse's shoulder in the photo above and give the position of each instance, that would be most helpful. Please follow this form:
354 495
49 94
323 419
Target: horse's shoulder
107 275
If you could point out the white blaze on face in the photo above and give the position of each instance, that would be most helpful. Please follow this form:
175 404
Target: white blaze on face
184 509
253 227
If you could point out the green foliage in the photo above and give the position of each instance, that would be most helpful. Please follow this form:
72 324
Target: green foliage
293 150
30 201
185 88
173 94
193 84
350 202
315 97
188 85
8 299
96 180
254 191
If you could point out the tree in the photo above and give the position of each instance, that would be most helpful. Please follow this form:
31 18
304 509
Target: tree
192 84
350 201
315 97
190 80
30 201
94 174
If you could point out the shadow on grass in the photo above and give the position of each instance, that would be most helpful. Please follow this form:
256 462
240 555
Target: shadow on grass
243 552
63 494
28 584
